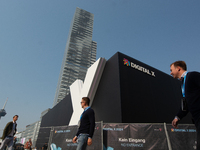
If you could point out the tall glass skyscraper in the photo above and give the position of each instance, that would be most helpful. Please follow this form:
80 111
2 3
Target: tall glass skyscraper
80 53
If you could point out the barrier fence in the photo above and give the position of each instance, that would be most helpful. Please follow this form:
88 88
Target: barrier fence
124 136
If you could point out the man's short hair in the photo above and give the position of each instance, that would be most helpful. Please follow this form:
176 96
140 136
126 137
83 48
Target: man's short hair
15 115
181 64
87 100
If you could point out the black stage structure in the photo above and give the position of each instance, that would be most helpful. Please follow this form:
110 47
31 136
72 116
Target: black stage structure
129 91
136 93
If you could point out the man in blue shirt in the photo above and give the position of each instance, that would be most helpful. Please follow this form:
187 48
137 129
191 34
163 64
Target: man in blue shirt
191 95
86 126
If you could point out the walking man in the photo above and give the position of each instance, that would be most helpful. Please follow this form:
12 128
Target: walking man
190 95
8 134
86 126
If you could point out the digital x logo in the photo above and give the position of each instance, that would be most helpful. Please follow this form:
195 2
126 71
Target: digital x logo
126 62
138 67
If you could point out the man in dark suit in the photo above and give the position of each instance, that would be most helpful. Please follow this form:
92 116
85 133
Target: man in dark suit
86 126
191 95
8 134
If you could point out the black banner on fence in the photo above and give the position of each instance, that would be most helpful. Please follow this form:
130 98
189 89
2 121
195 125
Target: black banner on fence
134 136
183 138
62 138
43 136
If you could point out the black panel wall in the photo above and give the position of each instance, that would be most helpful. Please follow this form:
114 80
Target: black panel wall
107 101
129 95
59 115
43 137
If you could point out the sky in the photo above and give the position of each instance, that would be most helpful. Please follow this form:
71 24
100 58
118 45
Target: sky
33 36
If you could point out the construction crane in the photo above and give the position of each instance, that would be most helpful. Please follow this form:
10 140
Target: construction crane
3 111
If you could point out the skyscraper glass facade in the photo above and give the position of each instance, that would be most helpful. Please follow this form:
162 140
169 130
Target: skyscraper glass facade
80 53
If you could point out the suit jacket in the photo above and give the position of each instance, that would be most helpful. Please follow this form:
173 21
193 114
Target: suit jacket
192 95
8 129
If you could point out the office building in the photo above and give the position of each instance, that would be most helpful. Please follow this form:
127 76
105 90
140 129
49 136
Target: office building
31 132
80 53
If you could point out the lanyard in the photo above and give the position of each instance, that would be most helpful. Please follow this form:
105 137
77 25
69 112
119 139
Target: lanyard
84 111
183 85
